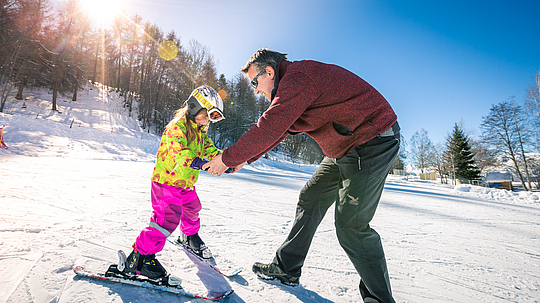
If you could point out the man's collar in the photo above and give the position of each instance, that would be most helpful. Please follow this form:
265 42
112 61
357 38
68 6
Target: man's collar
281 70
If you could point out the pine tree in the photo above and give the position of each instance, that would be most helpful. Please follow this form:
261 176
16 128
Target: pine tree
461 157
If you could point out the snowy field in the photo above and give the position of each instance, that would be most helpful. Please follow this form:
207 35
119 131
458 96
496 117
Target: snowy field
75 195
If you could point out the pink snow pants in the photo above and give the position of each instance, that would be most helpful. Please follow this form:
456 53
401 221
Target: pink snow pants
172 206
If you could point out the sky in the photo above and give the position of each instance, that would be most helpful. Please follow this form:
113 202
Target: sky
437 62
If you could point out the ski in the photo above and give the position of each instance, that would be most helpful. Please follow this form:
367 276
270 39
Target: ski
114 275
230 272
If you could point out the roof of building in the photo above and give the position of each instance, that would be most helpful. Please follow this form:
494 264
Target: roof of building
499 177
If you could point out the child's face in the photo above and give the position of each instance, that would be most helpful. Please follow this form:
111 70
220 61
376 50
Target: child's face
201 119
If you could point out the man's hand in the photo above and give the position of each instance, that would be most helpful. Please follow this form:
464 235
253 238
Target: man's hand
239 167
215 166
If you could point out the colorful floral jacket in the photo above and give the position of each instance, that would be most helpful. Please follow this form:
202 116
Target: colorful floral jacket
176 153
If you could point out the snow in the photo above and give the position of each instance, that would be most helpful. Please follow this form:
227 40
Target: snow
75 195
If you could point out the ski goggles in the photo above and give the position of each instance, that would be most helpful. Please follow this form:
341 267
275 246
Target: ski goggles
214 114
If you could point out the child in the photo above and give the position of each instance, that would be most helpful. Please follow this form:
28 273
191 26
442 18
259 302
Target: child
184 145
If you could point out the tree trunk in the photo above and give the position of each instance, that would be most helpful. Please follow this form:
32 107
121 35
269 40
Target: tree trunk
526 164
520 141
100 37
119 67
127 100
518 171
5 94
75 92
55 92
19 95
6 76
524 156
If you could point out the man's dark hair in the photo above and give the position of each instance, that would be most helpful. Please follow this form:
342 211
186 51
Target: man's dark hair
263 58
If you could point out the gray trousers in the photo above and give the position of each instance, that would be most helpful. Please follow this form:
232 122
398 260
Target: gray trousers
355 182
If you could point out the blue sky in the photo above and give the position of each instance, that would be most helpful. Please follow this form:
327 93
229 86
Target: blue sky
437 62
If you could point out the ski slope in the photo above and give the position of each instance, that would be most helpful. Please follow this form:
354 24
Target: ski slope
75 188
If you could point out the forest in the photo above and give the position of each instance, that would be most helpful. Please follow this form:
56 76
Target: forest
61 49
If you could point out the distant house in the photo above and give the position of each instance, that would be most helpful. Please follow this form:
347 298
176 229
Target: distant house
500 180
428 176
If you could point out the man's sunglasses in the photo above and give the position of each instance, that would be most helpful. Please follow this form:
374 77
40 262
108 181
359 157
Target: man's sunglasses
254 82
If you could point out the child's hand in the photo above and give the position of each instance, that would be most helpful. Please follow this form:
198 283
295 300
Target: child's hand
198 163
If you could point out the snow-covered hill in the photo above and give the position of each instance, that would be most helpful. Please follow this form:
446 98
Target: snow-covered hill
75 188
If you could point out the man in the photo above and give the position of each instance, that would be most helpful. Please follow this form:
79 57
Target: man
358 133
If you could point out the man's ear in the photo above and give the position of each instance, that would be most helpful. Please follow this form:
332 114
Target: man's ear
270 71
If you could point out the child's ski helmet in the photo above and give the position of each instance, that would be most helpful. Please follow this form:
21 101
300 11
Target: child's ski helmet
205 97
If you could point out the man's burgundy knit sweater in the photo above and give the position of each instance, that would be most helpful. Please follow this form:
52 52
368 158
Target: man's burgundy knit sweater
323 100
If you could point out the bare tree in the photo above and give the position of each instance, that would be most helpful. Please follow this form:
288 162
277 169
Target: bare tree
532 104
520 123
132 52
22 26
535 168
440 162
421 150
483 155
79 57
500 131
66 50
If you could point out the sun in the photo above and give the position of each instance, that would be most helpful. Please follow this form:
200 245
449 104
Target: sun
103 11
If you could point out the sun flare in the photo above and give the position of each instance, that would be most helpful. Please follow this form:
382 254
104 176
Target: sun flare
103 11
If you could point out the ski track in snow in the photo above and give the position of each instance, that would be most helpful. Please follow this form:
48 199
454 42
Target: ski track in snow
77 195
